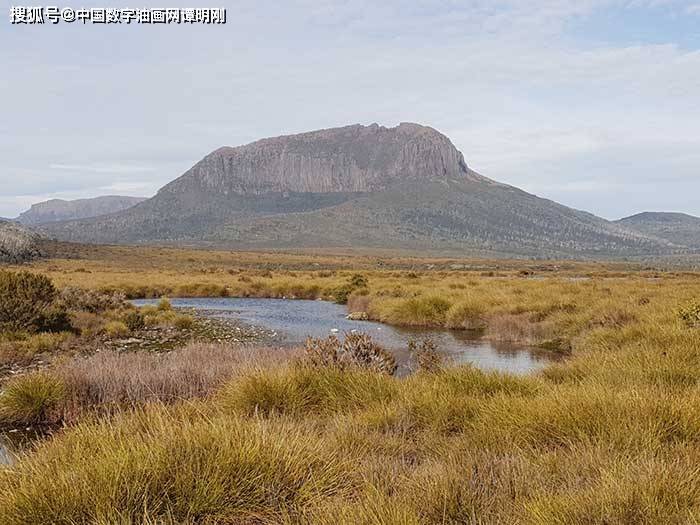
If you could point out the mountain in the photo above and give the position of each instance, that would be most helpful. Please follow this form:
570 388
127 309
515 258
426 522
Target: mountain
677 228
405 187
61 210
17 243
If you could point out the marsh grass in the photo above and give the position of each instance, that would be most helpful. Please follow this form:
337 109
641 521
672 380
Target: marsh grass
610 435
32 399
108 382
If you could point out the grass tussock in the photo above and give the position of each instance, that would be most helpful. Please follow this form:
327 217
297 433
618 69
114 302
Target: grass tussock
189 468
610 435
32 399
109 382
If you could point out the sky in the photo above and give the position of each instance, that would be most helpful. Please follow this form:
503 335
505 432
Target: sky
591 103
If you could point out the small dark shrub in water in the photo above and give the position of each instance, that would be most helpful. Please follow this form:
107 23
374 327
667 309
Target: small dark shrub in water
357 350
24 300
426 355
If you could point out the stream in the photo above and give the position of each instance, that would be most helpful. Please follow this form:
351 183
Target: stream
292 321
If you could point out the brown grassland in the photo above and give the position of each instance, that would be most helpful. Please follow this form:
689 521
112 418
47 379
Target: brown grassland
221 434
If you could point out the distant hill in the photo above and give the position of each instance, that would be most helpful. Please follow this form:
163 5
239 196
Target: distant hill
405 187
17 243
677 228
61 210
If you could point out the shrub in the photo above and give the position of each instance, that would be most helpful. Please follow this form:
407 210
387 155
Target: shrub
343 292
134 321
54 320
359 281
31 399
357 350
45 342
87 323
24 299
426 355
164 305
690 314
116 329
73 298
183 322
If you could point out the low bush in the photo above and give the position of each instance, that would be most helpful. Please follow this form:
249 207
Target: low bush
342 293
116 329
356 350
134 320
86 300
54 319
426 355
183 322
164 305
24 300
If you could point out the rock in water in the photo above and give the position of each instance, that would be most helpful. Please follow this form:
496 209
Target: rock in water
358 316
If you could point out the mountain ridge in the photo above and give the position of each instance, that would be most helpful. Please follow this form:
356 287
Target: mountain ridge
678 228
55 210
404 187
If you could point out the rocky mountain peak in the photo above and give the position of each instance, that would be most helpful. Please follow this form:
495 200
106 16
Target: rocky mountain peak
349 159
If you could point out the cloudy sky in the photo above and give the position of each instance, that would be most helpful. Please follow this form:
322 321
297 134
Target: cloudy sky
593 103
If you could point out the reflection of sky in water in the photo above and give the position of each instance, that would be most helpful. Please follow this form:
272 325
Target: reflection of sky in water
294 320
4 453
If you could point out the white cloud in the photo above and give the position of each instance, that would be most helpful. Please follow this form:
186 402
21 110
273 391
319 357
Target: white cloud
527 102
103 168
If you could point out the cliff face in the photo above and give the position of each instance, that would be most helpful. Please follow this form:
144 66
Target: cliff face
349 159
62 210
17 244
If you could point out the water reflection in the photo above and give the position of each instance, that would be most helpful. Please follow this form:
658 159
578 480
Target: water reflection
294 320
14 442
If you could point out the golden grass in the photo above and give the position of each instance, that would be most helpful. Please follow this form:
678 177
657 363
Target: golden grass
610 435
